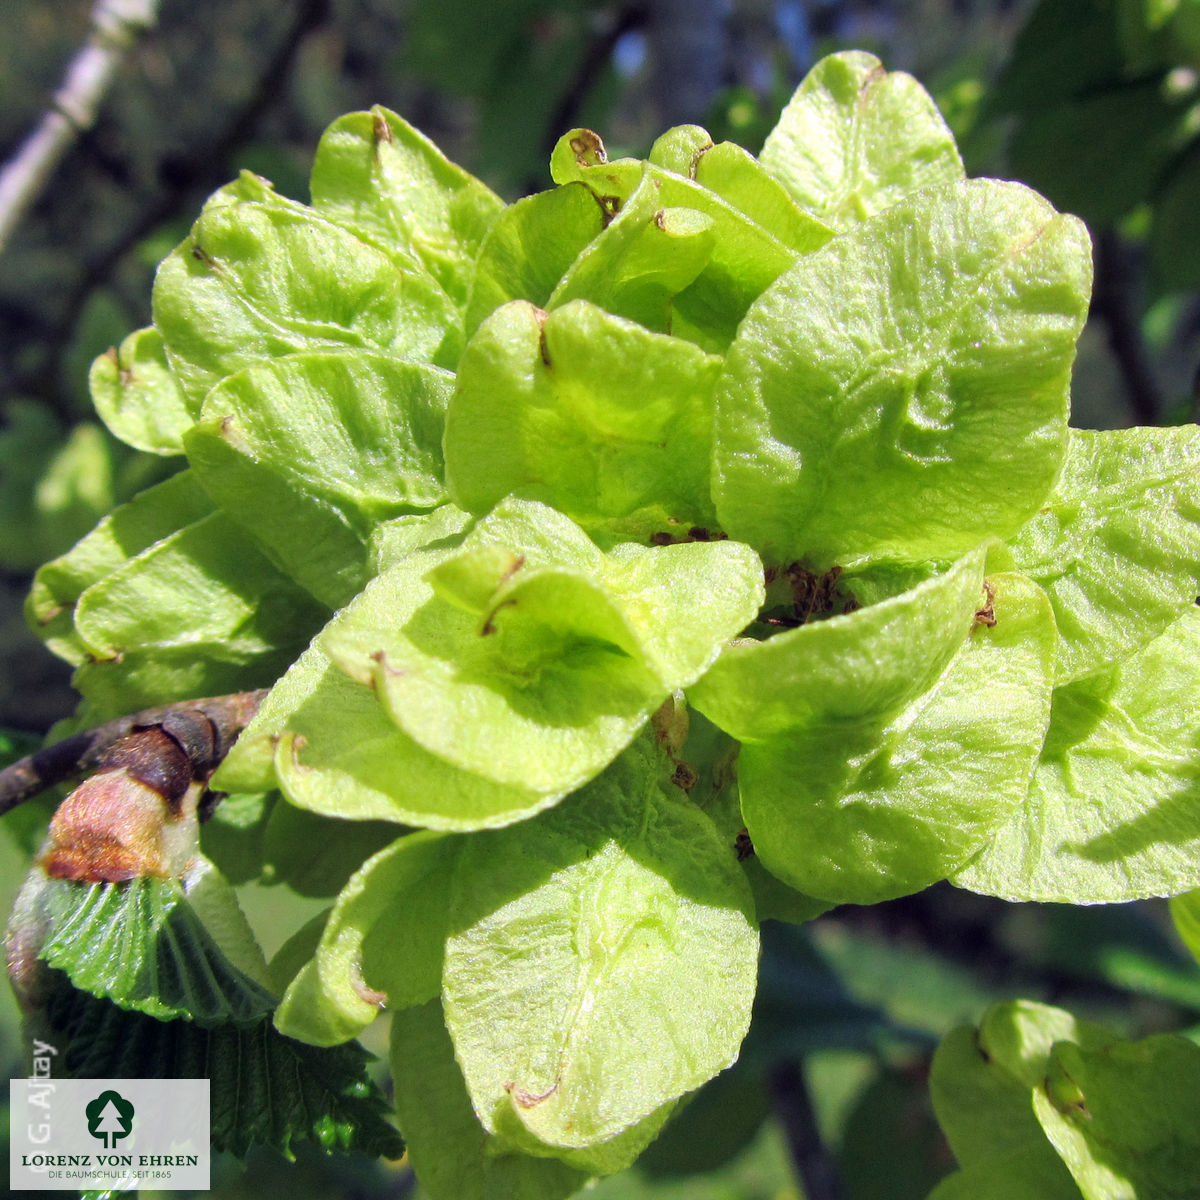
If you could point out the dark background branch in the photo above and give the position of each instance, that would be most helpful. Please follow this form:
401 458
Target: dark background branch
1114 302
793 1106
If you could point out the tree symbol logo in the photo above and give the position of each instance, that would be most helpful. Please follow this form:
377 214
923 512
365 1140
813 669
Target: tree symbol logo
109 1117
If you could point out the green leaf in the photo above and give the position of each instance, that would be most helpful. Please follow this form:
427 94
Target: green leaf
202 596
257 281
529 657
580 156
601 961
316 855
738 177
310 452
146 677
680 148
1122 138
17 743
381 946
54 483
645 257
874 659
869 800
745 257
867 985
710 757
986 1084
382 178
364 766
1062 50
1020 1035
28 441
137 397
232 836
988 1119
1113 812
266 1090
1174 245
942 334
141 945
1123 1115
531 247
855 139
392 541
607 422
295 954
890 1143
454 1156
129 529
712 1126
325 739
1185 911
1116 546
1033 1173
332 748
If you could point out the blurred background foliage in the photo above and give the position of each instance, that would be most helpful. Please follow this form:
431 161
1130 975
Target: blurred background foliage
1094 102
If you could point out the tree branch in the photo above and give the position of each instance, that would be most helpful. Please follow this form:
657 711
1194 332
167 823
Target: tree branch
1112 303
116 26
204 167
793 1107
228 716
596 55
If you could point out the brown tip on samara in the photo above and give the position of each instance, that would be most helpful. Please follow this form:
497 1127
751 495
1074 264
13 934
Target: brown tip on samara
364 991
489 625
380 127
202 256
526 1099
684 777
987 614
588 148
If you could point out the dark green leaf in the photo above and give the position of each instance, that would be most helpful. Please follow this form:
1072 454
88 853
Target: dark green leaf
141 945
267 1090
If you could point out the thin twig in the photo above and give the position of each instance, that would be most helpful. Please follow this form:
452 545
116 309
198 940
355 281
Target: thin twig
596 55
1112 302
83 752
116 26
205 168
793 1107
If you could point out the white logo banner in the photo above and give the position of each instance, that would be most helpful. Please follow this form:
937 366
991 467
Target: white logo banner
68 1134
